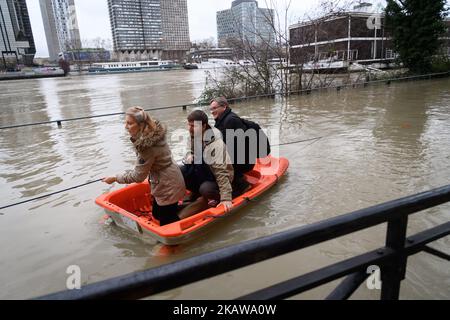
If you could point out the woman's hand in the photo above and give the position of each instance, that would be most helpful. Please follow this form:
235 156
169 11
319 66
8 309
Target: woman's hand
227 204
109 180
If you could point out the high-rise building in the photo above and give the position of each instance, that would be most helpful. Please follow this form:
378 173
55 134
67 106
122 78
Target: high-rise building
136 28
60 25
149 29
48 19
175 26
246 22
16 36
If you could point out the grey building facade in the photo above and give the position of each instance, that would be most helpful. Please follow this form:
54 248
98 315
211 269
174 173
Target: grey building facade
345 37
204 54
245 21
149 29
61 26
48 19
175 26
16 36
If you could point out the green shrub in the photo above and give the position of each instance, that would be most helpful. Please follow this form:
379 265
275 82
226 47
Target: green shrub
440 64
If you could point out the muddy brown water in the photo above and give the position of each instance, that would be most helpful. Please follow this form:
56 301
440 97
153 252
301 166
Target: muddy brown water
379 143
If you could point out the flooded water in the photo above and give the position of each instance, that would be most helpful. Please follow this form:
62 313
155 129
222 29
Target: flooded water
379 143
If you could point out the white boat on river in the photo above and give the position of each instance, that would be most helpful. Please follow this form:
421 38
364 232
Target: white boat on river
137 66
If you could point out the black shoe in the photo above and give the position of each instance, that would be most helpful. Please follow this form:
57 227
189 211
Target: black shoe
240 187
191 198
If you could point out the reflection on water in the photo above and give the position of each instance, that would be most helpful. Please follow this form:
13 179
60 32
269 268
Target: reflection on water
379 143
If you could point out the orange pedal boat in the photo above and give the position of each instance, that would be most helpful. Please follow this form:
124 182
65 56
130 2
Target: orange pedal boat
130 207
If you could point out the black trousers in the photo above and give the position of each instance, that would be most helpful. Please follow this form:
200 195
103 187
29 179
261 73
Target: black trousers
165 214
201 182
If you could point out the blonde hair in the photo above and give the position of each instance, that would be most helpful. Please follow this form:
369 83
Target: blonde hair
143 119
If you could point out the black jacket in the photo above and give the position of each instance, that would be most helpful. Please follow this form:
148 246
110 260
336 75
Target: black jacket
230 120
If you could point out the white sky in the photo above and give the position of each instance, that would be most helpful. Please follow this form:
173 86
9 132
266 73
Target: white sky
94 22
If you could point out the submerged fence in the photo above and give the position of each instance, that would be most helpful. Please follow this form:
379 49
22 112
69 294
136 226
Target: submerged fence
392 259
240 99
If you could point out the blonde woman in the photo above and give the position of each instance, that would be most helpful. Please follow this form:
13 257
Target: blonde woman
154 160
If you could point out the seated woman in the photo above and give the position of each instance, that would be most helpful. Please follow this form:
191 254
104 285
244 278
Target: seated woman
154 160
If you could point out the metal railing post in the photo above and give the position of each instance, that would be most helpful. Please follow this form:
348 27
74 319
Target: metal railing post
393 272
392 258
348 286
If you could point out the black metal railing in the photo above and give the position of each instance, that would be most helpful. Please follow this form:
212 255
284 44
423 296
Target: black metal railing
391 259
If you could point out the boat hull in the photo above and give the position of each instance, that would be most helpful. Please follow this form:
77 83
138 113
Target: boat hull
117 71
130 207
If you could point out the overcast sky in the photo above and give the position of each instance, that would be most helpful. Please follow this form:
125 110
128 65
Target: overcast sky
93 18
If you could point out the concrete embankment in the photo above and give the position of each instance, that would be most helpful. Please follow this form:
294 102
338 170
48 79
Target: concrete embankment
30 75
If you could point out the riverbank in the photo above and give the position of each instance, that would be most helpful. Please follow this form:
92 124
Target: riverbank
37 73
333 81
341 81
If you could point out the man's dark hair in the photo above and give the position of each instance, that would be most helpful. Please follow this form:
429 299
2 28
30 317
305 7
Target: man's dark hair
221 101
198 115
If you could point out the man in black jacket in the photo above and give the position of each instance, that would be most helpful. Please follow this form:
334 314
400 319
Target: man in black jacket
226 119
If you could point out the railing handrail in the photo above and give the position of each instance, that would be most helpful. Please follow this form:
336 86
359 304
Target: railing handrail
166 277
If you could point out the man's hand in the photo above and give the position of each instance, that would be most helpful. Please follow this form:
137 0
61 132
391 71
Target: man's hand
227 204
109 180
189 159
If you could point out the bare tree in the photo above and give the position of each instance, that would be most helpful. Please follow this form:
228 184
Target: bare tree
309 61
208 43
269 64
9 62
83 53
99 48
73 53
